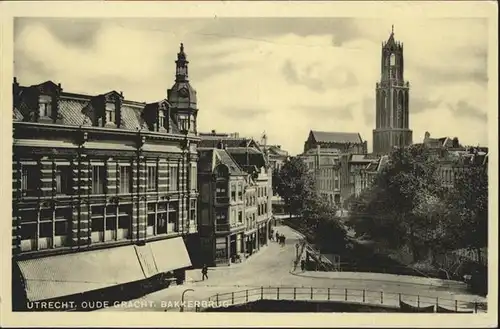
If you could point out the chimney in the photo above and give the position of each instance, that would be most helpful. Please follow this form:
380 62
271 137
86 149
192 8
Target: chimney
220 145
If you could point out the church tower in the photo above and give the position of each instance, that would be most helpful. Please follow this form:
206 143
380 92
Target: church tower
392 101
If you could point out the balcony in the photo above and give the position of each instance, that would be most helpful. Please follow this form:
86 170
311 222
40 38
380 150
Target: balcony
228 227
222 228
222 200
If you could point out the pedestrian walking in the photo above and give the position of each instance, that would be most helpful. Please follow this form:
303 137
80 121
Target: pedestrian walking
277 236
302 265
204 272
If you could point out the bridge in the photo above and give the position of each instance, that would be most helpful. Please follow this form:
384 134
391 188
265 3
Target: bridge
271 272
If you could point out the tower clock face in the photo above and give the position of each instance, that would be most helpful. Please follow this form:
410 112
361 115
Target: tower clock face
184 92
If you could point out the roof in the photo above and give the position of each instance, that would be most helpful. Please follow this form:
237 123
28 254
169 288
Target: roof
209 158
243 150
213 141
252 158
78 109
329 151
222 156
276 150
363 158
336 137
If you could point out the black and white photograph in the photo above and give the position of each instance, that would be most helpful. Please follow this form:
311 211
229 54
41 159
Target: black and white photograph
225 163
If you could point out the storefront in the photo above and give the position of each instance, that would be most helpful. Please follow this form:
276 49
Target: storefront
101 274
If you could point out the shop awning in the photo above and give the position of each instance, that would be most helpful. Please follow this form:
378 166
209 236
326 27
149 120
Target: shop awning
63 275
170 254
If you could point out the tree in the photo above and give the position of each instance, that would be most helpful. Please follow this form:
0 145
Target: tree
468 202
295 185
391 211
320 221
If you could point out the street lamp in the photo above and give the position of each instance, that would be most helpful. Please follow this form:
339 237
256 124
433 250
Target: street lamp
182 299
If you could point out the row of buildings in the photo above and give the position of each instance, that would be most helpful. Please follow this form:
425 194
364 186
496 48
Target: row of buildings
108 191
340 162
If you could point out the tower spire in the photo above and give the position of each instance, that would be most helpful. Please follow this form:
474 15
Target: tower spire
181 70
392 31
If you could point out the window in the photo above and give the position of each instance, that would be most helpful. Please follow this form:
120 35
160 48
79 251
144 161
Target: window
194 178
62 223
240 217
98 178
45 107
63 180
193 210
28 231
151 179
173 215
233 192
221 217
45 229
173 178
30 180
161 119
240 193
110 112
161 226
393 60
125 179
192 123
221 190
183 122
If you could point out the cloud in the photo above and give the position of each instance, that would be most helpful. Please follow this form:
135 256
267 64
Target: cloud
294 77
344 112
369 110
243 113
284 76
422 104
466 110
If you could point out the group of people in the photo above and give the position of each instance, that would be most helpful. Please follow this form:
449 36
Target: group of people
280 238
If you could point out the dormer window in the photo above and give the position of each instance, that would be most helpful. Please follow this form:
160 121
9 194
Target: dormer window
110 113
45 106
161 119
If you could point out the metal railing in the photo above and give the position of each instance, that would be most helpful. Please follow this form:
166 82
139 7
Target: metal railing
350 295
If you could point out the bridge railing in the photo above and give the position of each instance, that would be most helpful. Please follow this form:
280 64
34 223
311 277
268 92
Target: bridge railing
418 303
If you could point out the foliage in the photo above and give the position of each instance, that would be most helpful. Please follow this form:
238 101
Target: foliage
468 203
294 185
403 207
322 223
318 216
408 206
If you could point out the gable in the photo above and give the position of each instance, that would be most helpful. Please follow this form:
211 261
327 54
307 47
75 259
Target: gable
48 88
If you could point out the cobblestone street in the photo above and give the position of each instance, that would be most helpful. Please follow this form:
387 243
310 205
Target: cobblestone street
272 266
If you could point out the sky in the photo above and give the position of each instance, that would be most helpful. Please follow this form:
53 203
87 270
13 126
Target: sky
281 76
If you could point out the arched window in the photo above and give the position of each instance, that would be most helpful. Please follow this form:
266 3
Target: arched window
392 60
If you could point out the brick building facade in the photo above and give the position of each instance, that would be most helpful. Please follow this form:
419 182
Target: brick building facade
100 182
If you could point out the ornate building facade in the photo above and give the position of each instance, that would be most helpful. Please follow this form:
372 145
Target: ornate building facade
392 101
235 180
104 188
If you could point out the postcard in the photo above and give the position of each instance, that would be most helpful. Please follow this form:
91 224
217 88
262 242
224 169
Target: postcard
310 163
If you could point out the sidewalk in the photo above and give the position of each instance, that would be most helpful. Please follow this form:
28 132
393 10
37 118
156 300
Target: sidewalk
381 277
194 275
